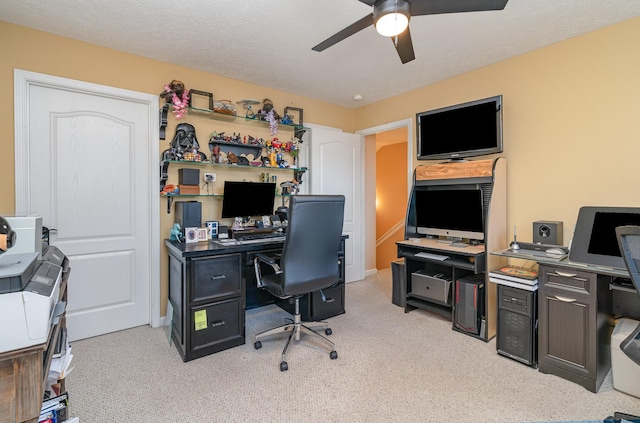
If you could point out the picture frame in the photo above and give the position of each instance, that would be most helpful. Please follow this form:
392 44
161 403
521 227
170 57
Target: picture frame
266 220
190 235
208 96
203 234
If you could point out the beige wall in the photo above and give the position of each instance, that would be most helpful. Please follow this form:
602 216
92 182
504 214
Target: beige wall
571 114
571 123
36 51
27 49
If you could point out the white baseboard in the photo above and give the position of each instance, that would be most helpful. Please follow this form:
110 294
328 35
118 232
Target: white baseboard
370 272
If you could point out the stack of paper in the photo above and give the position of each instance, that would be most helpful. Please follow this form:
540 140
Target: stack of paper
516 277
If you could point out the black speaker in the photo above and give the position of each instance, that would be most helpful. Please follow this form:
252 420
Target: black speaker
517 336
188 214
547 232
399 288
469 304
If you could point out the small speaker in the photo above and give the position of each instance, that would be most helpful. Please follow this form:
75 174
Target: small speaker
547 232
188 214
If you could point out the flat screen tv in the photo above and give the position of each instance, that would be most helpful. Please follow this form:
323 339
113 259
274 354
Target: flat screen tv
247 199
460 131
450 212
595 241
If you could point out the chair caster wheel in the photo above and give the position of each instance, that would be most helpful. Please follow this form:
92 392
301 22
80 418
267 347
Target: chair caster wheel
328 331
284 366
257 345
333 355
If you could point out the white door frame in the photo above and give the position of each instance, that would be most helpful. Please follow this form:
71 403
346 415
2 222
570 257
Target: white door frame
405 123
22 82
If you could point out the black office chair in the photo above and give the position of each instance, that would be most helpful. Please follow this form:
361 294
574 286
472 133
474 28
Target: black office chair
308 263
629 242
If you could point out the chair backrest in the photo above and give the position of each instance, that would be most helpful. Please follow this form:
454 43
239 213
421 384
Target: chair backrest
309 259
629 242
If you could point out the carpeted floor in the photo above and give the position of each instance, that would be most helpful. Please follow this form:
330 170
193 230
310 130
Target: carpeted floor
392 367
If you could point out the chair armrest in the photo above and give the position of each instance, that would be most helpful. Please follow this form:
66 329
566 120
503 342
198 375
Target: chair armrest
262 258
265 258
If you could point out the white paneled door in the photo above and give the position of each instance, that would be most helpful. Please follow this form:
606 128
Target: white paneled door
336 168
88 174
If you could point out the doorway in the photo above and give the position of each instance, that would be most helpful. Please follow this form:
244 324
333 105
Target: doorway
384 145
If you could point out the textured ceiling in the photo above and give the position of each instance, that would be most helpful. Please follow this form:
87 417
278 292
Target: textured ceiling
269 42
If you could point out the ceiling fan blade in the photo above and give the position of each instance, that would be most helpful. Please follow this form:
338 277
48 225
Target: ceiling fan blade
434 7
368 2
347 32
404 47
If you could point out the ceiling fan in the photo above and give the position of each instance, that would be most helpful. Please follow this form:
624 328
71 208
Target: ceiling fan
391 18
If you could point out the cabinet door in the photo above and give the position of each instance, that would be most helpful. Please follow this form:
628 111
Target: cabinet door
567 321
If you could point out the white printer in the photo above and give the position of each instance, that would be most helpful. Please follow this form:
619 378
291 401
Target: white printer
29 294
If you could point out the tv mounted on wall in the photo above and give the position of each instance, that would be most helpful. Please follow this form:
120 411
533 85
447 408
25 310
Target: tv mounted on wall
460 131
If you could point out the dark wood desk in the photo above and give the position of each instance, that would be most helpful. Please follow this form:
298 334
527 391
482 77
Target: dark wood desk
211 285
575 318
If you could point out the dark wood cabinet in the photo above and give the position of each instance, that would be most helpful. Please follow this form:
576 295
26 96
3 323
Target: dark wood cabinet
207 295
574 329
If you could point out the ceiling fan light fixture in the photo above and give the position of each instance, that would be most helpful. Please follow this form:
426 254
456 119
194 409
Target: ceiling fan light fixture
391 17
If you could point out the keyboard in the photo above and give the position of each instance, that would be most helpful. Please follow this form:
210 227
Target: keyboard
266 239
261 236
432 256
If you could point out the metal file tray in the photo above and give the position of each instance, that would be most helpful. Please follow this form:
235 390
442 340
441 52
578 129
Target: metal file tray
429 287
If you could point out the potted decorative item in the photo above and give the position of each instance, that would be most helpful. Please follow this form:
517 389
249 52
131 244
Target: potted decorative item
176 94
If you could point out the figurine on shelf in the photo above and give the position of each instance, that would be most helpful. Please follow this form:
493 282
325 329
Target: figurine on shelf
287 120
184 145
175 233
176 94
269 114
215 152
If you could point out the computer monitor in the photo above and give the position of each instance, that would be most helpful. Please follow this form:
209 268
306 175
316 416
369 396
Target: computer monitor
247 199
595 241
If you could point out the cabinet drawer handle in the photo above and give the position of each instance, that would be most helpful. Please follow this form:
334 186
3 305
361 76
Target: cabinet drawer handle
566 275
220 323
565 299
214 277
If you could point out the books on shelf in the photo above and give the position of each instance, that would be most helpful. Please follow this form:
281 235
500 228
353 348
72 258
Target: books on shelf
54 410
514 274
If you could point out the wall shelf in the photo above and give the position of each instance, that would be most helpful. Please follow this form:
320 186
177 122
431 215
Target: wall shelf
238 167
209 114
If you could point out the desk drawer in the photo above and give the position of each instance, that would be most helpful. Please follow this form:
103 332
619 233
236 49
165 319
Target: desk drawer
322 310
215 277
217 326
568 283
429 287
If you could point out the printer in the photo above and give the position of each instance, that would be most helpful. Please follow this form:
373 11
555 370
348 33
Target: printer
29 296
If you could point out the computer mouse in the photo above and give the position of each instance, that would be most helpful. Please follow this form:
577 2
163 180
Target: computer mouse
555 252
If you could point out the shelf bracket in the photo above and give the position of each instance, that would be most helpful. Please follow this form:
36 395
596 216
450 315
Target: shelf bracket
163 119
169 202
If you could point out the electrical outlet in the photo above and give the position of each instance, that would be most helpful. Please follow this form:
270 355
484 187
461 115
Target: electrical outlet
209 177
